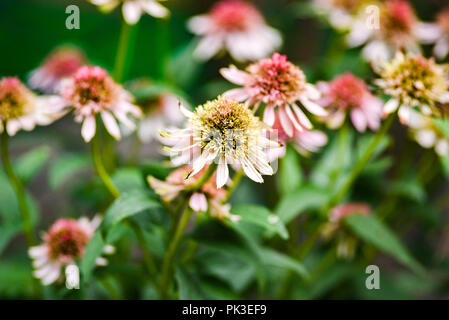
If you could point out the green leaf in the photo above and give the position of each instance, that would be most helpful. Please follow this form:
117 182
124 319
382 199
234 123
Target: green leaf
373 231
290 174
183 68
306 198
28 165
280 260
129 204
263 217
93 250
189 286
127 179
66 167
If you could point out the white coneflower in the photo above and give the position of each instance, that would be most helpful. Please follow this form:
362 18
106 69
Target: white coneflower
398 29
428 134
91 92
277 83
236 26
347 94
61 63
22 109
133 9
64 243
414 81
226 131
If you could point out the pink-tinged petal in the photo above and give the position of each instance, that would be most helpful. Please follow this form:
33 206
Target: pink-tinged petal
269 116
358 120
111 124
336 119
88 128
313 92
275 153
208 47
441 48
426 138
305 122
131 11
222 173
285 122
198 202
38 251
200 25
155 9
427 32
404 114
234 75
314 108
51 276
236 94
292 118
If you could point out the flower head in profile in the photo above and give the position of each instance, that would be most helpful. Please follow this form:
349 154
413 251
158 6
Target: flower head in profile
398 29
63 244
280 85
208 198
91 92
133 9
305 141
428 132
346 242
414 81
61 63
236 26
20 108
225 131
347 94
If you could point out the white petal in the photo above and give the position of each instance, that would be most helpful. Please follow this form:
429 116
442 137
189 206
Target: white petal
131 11
37 251
12 126
199 24
222 173
302 117
391 106
285 122
111 124
155 9
238 94
250 171
441 48
426 138
269 116
51 276
198 202
442 147
234 75
88 128
314 107
208 47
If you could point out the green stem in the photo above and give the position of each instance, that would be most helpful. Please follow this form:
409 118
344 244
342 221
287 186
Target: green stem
360 164
172 250
99 166
19 190
235 182
122 52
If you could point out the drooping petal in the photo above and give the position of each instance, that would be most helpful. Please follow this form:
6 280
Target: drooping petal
131 11
358 120
155 9
222 172
198 202
111 124
88 128
269 116
234 75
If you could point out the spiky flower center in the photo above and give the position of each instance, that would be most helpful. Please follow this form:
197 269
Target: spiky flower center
66 239
15 99
226 126
443 20
276 80
91 87
235 15
415 80
64 62
347 91
396 21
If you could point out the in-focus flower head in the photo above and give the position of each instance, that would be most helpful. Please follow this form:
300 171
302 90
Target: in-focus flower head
133 9
223 130
348 94
20 108
91 92
399 29
414 81
59 64
63 244
236 26
277 83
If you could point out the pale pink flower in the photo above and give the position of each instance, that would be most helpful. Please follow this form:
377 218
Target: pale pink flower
347 94
441 48
133 9
278 84
304 141
91 92
61 63
20 108
399 29
64 244
236 26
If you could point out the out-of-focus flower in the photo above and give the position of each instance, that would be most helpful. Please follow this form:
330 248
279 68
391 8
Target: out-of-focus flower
304 142
441 25
91 92
223 130
427 133
414 81
398 29
279 84
334 228
349 94
208 198
64 243
340 13
133 9
20 108
61 63
236 26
